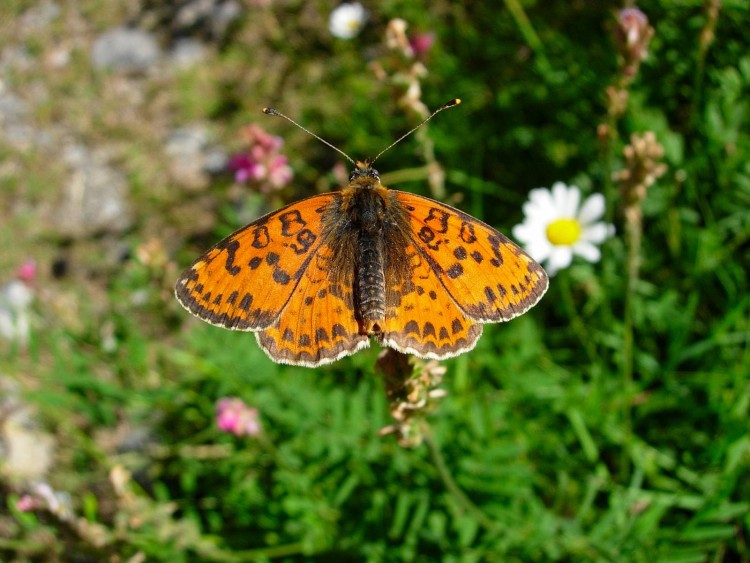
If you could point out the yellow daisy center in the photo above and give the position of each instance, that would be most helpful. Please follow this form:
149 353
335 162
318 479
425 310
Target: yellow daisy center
564 232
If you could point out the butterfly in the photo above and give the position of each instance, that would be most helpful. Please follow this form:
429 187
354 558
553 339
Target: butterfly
318 279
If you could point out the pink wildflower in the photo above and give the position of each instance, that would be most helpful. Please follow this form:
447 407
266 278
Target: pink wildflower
632 36
27 271
233 415
27 503
421 43
261 164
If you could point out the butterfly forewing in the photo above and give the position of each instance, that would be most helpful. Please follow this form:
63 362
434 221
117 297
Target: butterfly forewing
246 280
488 276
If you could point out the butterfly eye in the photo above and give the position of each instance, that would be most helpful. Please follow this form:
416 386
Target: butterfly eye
374 174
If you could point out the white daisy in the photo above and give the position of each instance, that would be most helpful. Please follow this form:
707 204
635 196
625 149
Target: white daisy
556 227
347 20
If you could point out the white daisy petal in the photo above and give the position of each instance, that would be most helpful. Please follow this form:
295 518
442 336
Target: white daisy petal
539 216
523 233
587 251
596 233
560 258
592 209
541 196
560 198
540 203
572 202
532 209
539 250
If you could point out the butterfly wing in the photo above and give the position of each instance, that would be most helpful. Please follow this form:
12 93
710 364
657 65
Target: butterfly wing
245 281
271 277
489 277
318 325
421 316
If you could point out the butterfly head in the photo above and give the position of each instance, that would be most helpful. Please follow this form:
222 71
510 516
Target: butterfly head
363 169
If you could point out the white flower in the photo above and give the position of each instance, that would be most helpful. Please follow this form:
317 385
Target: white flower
556 227
15 301
347 20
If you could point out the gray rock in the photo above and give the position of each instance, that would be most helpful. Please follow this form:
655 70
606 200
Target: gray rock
26 452
213 17
215 161
193 156
186 53
17 57
40 16
15 127
94 199
125 49
187 140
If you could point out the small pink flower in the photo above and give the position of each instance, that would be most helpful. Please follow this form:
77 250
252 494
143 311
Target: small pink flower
261 164
421 43
254 134
633 24
27 271
44 497
241 165
233 415
27 503
632 36
279 174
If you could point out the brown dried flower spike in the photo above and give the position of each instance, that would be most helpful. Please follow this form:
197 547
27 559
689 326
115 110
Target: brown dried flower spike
642 166
411 388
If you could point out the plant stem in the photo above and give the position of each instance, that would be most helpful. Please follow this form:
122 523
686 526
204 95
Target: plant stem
633 226
707 37
576 322
529 35
453 487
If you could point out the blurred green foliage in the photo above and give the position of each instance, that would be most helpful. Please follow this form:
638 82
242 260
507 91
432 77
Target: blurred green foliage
542 450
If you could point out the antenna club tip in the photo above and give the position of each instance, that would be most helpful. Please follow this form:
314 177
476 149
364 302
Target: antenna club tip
270 111
453 102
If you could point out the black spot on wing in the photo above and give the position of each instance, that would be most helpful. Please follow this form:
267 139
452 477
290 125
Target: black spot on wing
455 271
411 327
247 301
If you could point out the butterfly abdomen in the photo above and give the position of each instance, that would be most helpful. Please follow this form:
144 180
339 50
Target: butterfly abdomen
370 282
366 210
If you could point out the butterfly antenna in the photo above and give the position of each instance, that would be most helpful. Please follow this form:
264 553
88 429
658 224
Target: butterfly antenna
450 104
271 111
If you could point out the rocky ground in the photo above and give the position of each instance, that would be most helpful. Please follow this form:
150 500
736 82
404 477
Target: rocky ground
98 165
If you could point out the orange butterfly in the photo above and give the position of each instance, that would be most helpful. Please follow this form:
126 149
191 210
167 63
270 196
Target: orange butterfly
316 279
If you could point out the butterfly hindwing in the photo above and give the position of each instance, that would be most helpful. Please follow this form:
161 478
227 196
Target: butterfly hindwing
487 275
422 318
318 325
